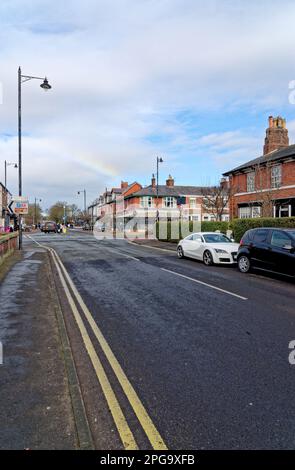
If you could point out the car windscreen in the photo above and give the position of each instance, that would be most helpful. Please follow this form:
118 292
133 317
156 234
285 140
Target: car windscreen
292 233
216 238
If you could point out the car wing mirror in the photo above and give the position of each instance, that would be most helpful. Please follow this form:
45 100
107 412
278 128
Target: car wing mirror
288 247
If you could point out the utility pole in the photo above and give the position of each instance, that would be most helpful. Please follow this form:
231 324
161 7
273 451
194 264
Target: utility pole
45 86
159 160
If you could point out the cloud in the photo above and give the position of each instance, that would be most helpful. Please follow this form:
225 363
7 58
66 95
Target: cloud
136 78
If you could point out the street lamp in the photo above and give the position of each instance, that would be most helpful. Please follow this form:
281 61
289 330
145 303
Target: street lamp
45 86
6 164
64 215
159 160
35 210
83 191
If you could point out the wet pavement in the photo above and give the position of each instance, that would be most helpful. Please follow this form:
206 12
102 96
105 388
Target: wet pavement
35 405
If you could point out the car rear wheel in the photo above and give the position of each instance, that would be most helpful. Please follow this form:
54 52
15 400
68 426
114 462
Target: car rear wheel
244 264
208 258
180 253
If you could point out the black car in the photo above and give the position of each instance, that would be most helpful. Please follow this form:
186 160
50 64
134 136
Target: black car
270 249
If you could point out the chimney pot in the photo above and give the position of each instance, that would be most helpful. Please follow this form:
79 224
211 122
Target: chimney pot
170 181
276 135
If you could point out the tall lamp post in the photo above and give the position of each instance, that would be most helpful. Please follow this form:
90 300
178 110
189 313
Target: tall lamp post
84 192
6 164
65 216
159 160
45 86
35 210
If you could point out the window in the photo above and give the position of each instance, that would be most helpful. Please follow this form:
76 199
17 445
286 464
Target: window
146 201
169 202
192 202
245 212
250 182
197 238
260 236
276 176
216 238
249 212
280 239
256 211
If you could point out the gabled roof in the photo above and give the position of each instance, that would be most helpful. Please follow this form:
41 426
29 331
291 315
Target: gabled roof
276 156
124 190
169 191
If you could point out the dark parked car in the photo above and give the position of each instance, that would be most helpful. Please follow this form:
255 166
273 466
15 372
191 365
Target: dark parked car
48 227
270 249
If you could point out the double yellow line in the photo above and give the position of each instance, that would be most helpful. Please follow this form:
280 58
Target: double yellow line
123 428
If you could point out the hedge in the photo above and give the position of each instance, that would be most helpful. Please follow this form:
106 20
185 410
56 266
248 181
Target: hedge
240 226
173 231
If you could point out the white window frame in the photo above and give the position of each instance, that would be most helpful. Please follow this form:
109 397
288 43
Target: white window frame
250 212
245 212
251 182
170 202
146 202
276 176
192 203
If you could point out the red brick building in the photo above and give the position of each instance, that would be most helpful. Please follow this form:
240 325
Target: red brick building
169 201
265 186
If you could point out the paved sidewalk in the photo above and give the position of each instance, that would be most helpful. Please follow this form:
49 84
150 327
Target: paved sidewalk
35 402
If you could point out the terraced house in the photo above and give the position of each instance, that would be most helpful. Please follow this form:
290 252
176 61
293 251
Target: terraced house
265 186
169 201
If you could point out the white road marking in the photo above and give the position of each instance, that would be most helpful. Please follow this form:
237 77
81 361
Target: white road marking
183 276
205 284
153 247
120 253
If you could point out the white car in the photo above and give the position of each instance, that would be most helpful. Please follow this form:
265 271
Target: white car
210 247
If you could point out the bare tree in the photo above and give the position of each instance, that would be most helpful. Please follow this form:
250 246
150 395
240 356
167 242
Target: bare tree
263 189
216 200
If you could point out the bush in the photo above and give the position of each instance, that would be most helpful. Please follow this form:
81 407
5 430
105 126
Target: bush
214 226
240 226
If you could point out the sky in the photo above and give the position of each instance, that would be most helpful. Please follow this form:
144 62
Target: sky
190 81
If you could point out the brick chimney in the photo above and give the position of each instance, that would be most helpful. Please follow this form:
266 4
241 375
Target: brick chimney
224 183
124 184
153 181
276 135
170 181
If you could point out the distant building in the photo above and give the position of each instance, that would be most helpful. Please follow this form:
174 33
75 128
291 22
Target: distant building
5 216
265 186
170 201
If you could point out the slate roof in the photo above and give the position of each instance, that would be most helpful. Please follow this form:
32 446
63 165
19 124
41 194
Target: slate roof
276 156
170 191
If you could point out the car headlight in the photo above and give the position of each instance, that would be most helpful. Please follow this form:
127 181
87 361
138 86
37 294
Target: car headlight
220 251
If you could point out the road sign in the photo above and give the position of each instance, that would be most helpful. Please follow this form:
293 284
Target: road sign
19 205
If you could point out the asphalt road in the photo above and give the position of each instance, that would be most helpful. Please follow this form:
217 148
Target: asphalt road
208 359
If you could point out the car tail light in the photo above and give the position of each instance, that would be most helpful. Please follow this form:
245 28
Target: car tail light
242 242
